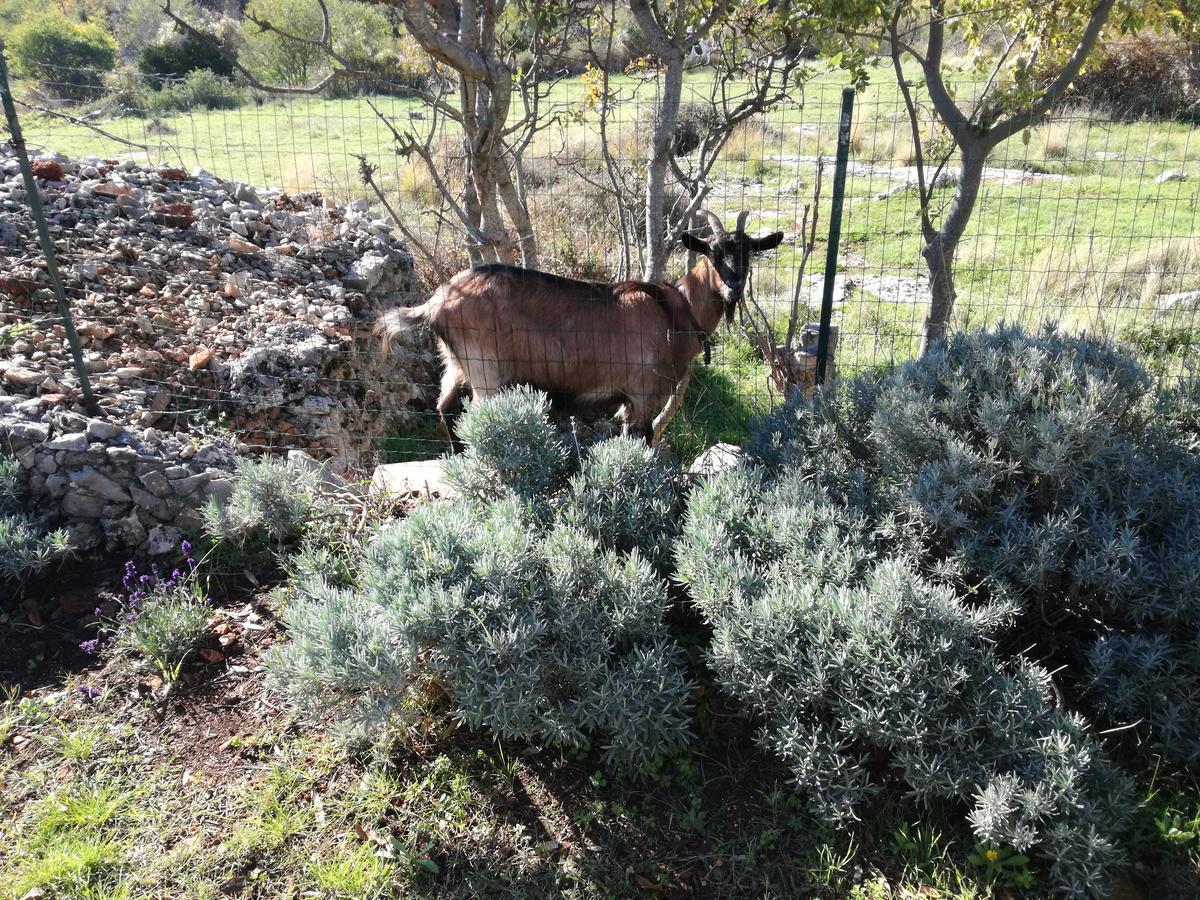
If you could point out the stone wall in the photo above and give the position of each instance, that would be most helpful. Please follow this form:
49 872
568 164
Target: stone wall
204 307
114 487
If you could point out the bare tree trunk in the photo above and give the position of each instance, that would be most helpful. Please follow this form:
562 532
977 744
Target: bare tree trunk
940 250
518 214
658 163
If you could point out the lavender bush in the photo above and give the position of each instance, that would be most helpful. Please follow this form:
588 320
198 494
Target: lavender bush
159 618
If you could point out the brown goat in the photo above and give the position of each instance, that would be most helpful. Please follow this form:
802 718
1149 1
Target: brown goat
632 343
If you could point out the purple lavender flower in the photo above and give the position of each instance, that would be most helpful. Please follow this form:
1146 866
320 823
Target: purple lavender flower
96 611
145 579
176 575
88 690
185 548
90 647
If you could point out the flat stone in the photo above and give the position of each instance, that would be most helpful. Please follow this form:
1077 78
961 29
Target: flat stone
100 485
717 458
23 377
20 432
163 539
121 454
156 506
99 430
156 483
127 532
76 441
83 506
1171 176
184 487
420 477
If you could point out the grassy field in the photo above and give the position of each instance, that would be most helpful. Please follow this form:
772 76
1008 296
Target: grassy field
1073 225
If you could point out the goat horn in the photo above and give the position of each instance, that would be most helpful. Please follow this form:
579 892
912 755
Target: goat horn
717 228
741 222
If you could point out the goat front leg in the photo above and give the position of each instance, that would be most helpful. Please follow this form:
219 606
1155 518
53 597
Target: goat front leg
450 405
668 412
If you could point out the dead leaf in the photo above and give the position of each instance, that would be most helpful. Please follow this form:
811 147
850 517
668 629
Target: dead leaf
108 189
240 245
201 358
361 832
209 655
646 884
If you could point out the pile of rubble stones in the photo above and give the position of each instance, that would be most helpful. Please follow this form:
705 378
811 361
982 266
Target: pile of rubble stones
204 307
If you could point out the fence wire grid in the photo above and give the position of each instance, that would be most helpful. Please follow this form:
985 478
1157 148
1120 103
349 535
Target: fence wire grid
1089 220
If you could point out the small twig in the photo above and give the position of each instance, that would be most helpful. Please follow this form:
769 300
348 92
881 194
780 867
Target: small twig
367 172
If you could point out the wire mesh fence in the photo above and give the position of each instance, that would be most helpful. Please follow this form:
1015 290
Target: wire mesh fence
226 261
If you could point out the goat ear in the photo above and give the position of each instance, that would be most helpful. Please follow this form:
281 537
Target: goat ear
762 244
695 244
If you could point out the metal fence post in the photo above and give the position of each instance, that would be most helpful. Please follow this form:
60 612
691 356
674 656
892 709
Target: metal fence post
39 218
835 231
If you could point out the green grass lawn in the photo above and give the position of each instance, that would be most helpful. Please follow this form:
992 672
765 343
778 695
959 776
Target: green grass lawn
1077 231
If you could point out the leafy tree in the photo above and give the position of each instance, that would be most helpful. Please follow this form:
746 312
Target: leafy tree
758 44
68 57
1043 52
178 56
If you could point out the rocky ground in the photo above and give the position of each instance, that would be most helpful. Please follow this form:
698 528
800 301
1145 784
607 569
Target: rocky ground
201 301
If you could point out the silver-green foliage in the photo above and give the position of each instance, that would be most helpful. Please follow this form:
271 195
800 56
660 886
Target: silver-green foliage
539 615
860 668
875 585
166 627
626 497
510 446
271 502
26 547
1041 470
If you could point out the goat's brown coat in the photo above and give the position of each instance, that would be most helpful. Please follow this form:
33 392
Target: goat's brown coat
631 342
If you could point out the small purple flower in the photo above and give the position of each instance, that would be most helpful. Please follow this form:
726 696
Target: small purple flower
132 617
176 574
145 579
96 611
90 647
89 691
185 548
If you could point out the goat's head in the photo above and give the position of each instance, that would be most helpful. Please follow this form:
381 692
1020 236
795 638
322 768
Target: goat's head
730 255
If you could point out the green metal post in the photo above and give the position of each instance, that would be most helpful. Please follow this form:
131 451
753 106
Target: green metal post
835 231
39 218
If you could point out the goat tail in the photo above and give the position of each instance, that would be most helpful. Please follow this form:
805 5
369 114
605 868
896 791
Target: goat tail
397 322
